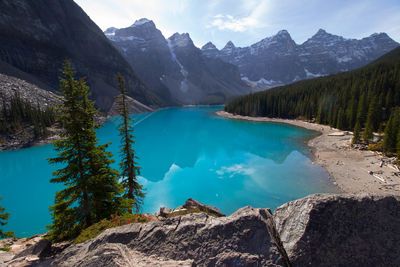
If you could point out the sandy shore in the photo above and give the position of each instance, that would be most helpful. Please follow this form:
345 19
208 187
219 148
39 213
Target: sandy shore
350 168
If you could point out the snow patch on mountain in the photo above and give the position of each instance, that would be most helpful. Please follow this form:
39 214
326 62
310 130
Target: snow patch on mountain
261 81
185 73
312 75
110 31
344 59
140 22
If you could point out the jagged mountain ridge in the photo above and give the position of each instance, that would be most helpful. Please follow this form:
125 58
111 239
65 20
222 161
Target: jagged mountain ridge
36 40
175 66
279 60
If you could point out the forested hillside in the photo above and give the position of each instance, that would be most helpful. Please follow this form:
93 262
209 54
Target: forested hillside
18 114
362 100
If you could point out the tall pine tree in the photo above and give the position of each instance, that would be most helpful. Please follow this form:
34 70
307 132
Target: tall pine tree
3 221
129 166
391 133
373 120
91 190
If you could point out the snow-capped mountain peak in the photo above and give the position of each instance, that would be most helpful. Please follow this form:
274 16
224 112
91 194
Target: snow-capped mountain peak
209 46
282 42
210 50
279 58
110 31
140 22
229 45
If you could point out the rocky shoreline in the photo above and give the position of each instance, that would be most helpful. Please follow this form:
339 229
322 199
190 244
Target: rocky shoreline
354 171
318 230
26 139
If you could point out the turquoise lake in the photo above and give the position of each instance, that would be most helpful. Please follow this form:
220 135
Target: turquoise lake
184 152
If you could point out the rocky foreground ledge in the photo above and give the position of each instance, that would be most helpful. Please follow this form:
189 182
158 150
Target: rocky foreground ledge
318 230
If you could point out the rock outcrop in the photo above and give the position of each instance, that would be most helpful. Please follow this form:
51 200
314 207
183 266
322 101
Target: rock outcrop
241 239
318 230
194 204
191 206
341 230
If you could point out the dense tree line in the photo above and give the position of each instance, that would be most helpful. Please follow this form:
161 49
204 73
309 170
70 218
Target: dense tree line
17 113
364 101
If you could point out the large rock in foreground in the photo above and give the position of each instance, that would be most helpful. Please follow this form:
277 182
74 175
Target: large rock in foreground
341 230
318 230
241 239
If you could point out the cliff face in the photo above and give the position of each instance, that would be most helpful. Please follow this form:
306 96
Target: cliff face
319 230
37 36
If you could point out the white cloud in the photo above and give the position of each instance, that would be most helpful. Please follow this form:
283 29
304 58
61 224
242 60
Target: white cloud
228 22
256 13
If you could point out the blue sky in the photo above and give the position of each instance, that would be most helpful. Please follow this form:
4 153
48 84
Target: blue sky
247 21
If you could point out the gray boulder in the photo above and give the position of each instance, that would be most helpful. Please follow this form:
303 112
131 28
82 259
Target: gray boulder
341 230
41 249
194 204
164 211
241 239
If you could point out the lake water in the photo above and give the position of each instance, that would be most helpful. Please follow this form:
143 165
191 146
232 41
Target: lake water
184 152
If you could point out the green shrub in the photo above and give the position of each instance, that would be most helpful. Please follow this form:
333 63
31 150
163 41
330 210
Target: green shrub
93 231
376 147
6 248
97 228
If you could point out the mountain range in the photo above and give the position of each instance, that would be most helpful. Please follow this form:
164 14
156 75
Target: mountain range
175 67
279 60
34 42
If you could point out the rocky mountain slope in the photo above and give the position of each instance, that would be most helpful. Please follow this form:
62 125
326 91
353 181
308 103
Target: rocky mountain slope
37 36
11 86
175 67
318 230
279 60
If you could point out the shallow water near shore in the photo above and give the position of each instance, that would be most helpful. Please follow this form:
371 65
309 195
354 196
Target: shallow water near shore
184 152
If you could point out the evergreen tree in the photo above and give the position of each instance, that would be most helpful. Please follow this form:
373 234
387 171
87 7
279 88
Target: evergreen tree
341 120
129 167
368 133
18 114
91 191
398 144
362 109
391 133
3 221
356 133
373 119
